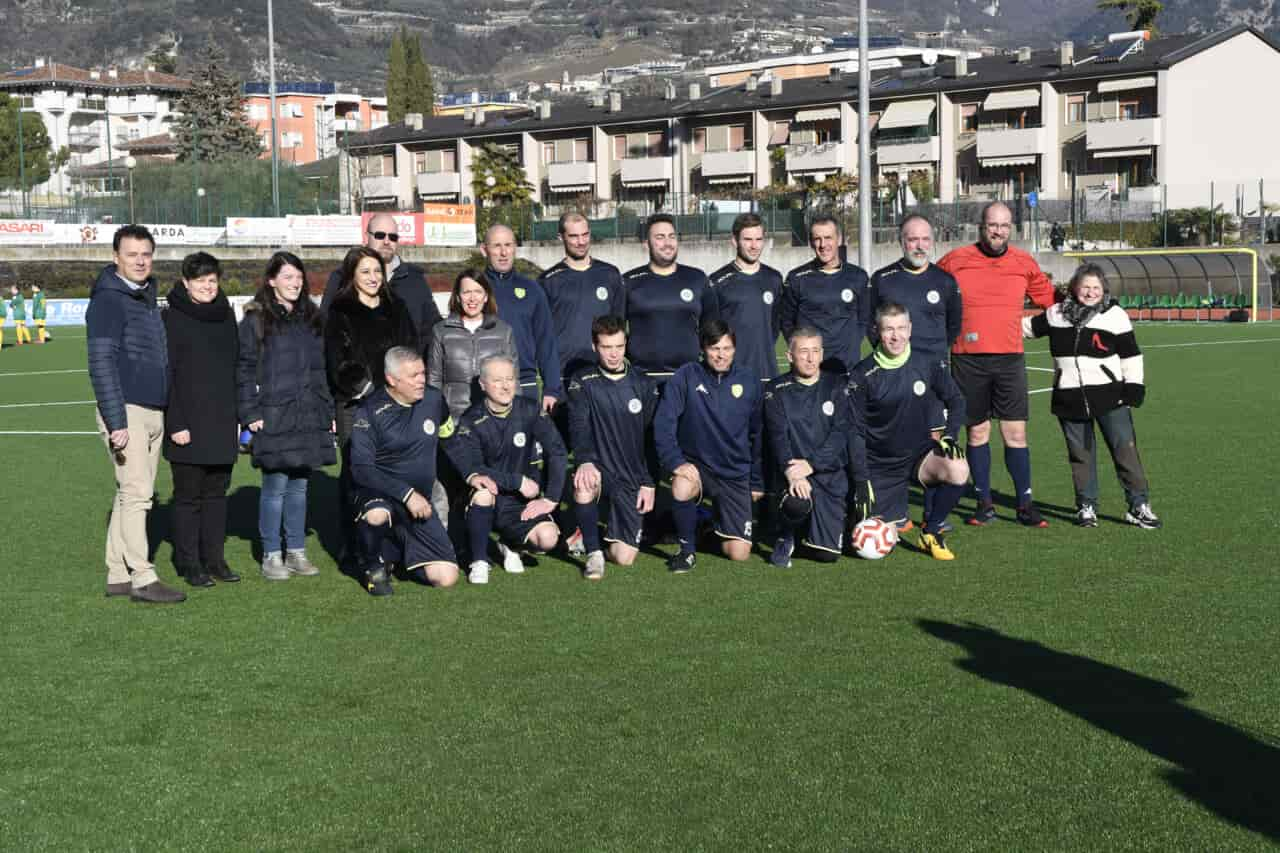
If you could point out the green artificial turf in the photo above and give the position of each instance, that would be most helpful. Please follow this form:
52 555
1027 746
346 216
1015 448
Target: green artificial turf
1058 689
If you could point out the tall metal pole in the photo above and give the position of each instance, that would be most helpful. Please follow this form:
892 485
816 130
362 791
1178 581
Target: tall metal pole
864 140
275 149
22 165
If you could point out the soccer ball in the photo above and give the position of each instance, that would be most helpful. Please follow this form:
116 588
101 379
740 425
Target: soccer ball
874 538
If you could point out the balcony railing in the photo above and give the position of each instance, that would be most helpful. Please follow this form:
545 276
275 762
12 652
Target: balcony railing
439 183
580 174
382 187
637 170
1123 133
718 163
821 157
1011 142
908 150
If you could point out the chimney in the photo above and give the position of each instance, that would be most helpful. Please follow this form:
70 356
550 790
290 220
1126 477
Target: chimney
468 113
695 91
478 119
615 102
669 91
95 74
1024 55
151 66
753 83
544 110
113 72
597 98
833 74
39 62
413 121
775 86
961 68
1066 54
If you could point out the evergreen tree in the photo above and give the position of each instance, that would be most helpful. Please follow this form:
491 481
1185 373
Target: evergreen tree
163 60
397 79
422 90
510 185
211 121
1140 14
38 158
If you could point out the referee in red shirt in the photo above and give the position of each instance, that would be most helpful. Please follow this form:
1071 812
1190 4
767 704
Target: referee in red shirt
987 359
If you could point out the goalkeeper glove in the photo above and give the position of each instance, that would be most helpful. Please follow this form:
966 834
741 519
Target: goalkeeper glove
864 499
948 448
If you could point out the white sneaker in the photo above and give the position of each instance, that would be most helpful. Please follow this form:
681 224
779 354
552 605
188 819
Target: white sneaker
478 572
595 566
510 560
273 568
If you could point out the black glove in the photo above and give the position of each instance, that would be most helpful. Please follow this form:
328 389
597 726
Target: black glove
864 499
949 448
1133 394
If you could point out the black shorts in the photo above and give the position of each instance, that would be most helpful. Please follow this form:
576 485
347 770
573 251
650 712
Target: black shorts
824 529
513 529
994 386
422 540
730 504
891 483
623 523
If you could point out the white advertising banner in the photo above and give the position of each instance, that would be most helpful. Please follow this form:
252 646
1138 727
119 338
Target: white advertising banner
324 231
27 232
257 231
172 235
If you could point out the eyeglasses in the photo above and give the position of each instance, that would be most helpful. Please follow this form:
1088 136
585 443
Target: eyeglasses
385 235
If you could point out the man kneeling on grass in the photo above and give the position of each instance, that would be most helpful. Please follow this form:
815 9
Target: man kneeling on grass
510 454
394 437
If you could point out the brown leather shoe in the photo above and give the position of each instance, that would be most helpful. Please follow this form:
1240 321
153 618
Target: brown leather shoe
157 593
118 589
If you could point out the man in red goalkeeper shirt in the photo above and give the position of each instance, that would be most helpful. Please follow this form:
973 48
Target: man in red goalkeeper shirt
987 360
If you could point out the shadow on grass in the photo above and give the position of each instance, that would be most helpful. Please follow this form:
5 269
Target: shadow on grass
1226 770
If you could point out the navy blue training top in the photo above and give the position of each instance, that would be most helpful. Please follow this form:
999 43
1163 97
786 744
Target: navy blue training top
577 298
664 313
393 446
522 304
932 298
833 302
748 302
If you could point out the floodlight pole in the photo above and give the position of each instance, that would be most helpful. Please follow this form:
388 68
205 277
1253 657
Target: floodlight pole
271 92
22 165
864 140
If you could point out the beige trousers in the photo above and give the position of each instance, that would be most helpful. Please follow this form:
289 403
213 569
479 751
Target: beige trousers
135 470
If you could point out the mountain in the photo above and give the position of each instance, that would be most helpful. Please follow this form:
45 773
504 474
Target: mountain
502 40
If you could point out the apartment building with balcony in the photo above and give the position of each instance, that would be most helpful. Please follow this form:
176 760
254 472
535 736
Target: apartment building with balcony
95 112
311 118
1132 117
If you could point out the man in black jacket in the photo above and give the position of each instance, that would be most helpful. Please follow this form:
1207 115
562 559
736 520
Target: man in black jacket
407 280
128 367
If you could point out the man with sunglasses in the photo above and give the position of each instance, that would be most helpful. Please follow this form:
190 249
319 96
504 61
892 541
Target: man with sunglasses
407 280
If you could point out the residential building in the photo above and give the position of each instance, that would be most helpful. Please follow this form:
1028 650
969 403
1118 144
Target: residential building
797 66
93 113
311 117
1131 118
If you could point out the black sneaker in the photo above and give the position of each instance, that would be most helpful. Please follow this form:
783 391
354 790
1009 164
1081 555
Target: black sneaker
378 582
682 562
1029 516
983 515
1142 516
1086 516
222 572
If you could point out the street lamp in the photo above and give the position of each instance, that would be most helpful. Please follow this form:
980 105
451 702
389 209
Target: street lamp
129 163
199 195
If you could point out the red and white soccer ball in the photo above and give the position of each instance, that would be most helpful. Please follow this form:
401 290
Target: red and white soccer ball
874 538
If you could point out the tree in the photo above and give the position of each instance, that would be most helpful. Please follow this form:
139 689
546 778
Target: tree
1140 14
500 188
164 61
397 79
211 121
421 96
39 160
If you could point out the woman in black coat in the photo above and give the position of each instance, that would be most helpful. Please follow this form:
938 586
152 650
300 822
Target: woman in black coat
365 320
286 404
200 424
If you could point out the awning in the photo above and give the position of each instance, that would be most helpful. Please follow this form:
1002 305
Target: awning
643 184
781 132
1126 84
906 114
821 114
572 188
1124 152
1012 99
997 162
739 179
437 196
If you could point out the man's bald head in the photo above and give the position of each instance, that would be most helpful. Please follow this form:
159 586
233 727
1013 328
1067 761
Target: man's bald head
499 247
384 224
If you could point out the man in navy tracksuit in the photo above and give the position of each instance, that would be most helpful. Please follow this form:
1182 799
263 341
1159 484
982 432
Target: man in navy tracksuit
708 435
891 444
394 437
666 304
522 304
829 295
747 294
128 367
509 452
932 298
807 423
611 407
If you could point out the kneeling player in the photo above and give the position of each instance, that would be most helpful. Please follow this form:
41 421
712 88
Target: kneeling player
806 414
611 405
511 455
394 437
891 444
707 431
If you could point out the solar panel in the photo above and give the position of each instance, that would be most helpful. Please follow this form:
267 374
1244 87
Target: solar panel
1117 51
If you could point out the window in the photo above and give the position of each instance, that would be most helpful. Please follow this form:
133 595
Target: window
968 118
380 166
699 140
258 111
290 110
1076 109
962 180
619 148
656 144
720 138
26 102
89 103
1129 109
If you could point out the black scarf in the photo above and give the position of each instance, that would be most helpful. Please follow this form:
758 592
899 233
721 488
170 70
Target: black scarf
217 311
1078 314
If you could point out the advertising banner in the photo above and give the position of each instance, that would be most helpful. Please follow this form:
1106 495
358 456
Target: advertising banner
325 231
257 231
448 224
173 235
407 224
61 312
26 232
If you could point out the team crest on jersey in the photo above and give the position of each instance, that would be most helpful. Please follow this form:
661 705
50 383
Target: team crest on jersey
828 408
686 295
933 296
602 293
537 448
519 292
768 297
735 389
846 295
518 439
746 530
919 388
634 406
429 426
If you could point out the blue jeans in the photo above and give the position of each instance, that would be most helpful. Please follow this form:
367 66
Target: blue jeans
284 495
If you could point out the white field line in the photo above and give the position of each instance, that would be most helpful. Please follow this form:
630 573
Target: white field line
42 373
43 432
41 405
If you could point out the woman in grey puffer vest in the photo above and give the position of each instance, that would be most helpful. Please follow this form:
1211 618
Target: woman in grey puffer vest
459 343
